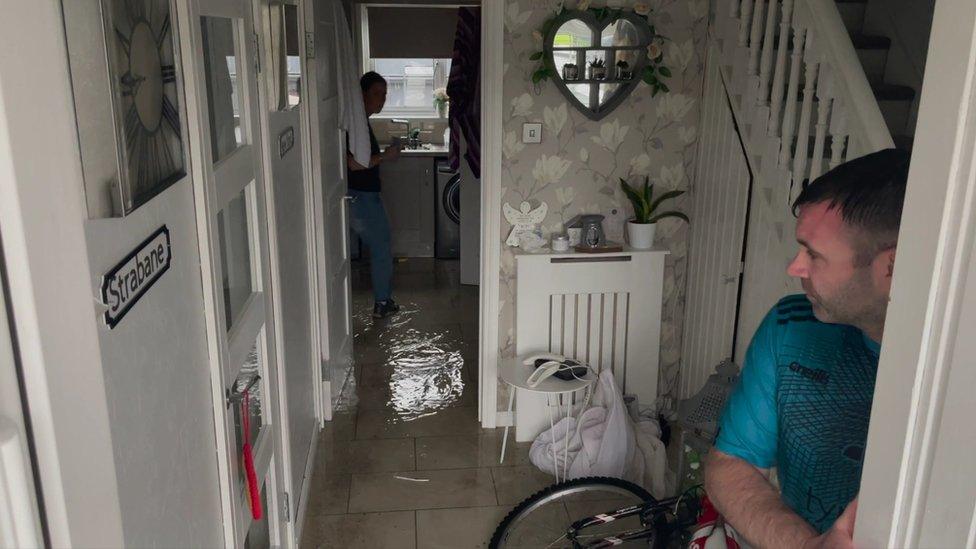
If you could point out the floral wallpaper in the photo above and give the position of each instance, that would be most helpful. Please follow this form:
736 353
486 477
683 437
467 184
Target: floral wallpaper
576 168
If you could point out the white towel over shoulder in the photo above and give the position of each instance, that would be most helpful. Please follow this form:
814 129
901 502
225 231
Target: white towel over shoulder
352 113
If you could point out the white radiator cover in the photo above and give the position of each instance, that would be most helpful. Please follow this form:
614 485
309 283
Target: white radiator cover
604 309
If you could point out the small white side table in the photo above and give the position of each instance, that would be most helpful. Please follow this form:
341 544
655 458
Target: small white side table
516 374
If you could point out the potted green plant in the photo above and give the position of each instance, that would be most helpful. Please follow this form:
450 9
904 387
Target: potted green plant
598 69
640 229
570 71
624 71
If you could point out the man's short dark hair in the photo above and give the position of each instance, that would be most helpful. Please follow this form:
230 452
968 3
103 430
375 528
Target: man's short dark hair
870 193
367 80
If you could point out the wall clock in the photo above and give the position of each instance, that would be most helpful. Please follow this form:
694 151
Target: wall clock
147 88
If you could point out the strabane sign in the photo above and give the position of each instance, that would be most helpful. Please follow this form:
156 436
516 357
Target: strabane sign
128 281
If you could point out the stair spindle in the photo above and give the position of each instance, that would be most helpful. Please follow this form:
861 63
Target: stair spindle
838 132
756 36
824 101
734 8
789 118
766 63
812 63
745 17
779 77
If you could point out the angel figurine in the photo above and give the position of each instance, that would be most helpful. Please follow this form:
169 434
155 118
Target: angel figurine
524 221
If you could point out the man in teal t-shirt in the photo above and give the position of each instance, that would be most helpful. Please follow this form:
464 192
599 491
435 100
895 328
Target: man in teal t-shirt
804 399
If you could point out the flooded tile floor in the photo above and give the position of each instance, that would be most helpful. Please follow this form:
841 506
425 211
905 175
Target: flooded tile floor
405 464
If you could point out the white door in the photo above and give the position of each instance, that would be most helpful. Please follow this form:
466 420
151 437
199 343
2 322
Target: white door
283 113
20 524
328 167
241 307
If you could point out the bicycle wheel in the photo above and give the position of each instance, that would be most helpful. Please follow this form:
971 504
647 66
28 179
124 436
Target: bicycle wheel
543 519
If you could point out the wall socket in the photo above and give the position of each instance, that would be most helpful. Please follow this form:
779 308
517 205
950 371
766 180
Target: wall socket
532 132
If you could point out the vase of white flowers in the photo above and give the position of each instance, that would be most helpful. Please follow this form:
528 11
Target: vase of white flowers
440 101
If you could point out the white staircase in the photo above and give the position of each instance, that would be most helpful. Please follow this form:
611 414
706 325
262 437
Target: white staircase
806 90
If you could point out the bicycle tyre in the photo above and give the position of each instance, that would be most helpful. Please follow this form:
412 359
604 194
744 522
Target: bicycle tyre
529 504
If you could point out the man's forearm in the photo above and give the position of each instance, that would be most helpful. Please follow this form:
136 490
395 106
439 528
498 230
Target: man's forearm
356 166
751 505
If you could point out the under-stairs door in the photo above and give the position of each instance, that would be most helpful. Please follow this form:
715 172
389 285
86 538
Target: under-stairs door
720 198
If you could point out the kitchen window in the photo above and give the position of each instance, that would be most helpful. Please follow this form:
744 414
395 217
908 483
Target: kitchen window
414 62
411 84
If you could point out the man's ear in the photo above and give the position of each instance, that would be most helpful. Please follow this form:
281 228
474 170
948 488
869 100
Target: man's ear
885 264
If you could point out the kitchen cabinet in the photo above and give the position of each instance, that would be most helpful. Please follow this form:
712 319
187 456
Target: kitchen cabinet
408 195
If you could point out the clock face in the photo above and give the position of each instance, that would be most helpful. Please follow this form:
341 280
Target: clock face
145 77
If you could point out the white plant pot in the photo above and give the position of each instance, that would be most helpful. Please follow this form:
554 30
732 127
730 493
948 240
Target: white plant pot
641 235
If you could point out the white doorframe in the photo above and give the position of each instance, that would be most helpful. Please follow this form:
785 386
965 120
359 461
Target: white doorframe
42 211
292 528
492 51
212 194
918 487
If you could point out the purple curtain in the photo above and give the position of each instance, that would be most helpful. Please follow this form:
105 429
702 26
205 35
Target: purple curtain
464 90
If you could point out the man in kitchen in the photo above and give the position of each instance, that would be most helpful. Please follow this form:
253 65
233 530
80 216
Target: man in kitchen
368 214
804 399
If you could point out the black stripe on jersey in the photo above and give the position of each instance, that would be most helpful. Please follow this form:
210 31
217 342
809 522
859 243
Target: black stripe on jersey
787 320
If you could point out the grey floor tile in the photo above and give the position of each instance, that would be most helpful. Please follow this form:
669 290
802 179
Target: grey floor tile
513 484
436 489
395 530
481 450
367 456
463 528
385 424
341 427
328 494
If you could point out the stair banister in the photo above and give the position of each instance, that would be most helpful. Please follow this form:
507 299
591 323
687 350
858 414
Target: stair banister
866 124
779 75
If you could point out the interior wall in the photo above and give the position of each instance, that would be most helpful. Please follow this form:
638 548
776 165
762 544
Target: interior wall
155 362
577 166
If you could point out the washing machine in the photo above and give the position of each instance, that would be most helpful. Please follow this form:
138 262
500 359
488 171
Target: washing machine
447 225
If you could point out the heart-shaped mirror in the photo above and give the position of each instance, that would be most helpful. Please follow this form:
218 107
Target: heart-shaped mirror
597 63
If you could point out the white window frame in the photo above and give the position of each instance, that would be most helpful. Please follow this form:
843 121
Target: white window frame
361 24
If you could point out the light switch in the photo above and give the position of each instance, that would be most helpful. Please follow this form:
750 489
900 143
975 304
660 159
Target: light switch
532 132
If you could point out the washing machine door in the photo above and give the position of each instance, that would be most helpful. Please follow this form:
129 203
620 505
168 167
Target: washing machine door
451 199
447 242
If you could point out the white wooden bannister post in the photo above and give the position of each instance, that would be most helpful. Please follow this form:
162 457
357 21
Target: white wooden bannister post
838 132
789 118
779 77
766 63
745 17
825 94
812 62
756 36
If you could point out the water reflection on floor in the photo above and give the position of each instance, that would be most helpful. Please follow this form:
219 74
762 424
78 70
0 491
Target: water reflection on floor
404 462
420 352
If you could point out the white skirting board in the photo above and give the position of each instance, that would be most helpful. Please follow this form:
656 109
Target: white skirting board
604 309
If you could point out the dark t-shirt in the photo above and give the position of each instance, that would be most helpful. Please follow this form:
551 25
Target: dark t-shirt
369 179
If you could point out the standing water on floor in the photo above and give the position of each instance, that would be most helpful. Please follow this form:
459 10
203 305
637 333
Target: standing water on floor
404 462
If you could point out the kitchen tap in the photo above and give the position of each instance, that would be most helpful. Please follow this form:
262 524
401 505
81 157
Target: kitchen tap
406 126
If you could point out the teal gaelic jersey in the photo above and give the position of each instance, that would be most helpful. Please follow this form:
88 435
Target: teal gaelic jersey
802 405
